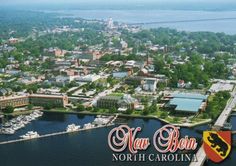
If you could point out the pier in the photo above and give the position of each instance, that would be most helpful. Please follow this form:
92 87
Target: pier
54 134
110 123
113 119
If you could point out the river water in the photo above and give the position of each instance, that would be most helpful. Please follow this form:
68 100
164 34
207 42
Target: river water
223 21
88 148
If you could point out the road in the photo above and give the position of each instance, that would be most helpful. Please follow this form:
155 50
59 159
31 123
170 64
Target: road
201 155
105 93
227 111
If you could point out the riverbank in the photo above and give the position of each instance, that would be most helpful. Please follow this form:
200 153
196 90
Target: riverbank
17 113
23 112
189 125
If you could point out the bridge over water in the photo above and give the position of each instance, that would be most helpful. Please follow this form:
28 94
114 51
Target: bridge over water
182 21
219 124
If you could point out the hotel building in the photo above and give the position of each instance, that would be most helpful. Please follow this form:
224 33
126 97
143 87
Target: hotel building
35 99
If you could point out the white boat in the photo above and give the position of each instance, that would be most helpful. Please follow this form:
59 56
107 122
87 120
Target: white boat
30 135
72 127
25 122
29 118
7 124
19 118
38 112
101 120
13 121
88 126
7 131
32 116
15 127
18 126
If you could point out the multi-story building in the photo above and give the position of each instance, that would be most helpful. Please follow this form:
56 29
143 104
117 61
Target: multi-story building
35 99
108 101
14 101
125 102
150 84
134 80
54 100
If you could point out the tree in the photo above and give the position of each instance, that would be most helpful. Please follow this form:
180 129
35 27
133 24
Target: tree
30 106
164 115
80 107
146 111
95 109
153 107
89 108
159 65
176 119
48 106
112 110
9 109
64 89
129 111
32 88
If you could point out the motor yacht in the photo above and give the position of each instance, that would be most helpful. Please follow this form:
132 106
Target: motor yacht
30 135
72 127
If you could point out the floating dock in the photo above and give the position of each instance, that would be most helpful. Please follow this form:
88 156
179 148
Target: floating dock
54 134
110 123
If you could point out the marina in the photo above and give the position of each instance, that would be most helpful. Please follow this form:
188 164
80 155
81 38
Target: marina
19 122
74 144
99 122
53 134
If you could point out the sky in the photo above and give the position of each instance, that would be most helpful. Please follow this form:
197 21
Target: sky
123 4
109 1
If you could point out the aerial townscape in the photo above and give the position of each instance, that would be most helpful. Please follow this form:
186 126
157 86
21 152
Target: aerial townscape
69 65
107 67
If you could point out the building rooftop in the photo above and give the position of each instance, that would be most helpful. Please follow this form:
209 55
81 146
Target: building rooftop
183 104
111 97
13 97
221 86
190 96
46 96
187 102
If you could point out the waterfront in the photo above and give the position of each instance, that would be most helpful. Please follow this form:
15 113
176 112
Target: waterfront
82 148
170 16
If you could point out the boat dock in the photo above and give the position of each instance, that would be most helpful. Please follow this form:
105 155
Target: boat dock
110 123
113 119
55 134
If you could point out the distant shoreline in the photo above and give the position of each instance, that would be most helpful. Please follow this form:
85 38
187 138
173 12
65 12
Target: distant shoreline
181 20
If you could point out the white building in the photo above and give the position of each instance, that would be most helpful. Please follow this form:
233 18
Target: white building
124 45
221 86
110 23
130 63
89 78
150 84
